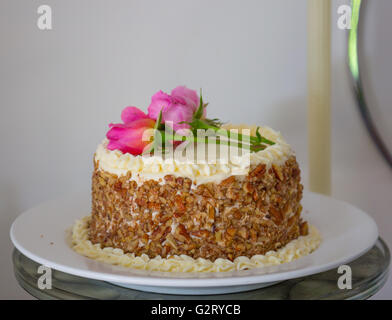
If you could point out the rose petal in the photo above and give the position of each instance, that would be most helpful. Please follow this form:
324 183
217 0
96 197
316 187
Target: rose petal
159 101
115 145
128 138
130 114
191 97
177 113
115 132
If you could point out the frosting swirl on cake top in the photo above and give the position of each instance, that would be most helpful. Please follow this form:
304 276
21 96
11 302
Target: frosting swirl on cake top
213 169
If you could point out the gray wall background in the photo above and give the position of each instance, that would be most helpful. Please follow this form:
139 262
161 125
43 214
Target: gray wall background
61 88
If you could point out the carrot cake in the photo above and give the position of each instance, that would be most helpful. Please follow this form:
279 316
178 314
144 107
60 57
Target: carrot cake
157 194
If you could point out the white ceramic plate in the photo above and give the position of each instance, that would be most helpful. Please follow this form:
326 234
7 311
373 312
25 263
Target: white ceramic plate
40 234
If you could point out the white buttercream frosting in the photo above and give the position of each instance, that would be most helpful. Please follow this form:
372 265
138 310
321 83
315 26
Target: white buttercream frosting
213 169
295 249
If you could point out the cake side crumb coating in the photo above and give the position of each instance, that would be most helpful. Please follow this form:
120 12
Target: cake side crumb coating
241 216
295 249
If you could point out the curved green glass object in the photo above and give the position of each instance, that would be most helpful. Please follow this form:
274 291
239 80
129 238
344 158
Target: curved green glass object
353 63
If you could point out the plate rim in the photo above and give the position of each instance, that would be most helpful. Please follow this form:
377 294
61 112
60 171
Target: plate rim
154 281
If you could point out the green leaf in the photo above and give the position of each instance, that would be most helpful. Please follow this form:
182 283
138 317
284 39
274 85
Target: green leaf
199 112
158 123
258 135
214 122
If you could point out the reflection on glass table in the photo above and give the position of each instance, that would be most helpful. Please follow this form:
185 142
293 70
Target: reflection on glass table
369 273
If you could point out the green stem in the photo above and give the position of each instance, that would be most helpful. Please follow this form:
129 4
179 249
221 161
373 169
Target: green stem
192 138
231 135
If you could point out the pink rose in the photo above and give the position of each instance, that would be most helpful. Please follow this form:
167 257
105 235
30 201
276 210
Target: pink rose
129 137
177 107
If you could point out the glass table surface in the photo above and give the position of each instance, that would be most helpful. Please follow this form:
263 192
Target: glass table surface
369 273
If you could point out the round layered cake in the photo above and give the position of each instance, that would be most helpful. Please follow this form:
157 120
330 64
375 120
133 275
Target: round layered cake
232 207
